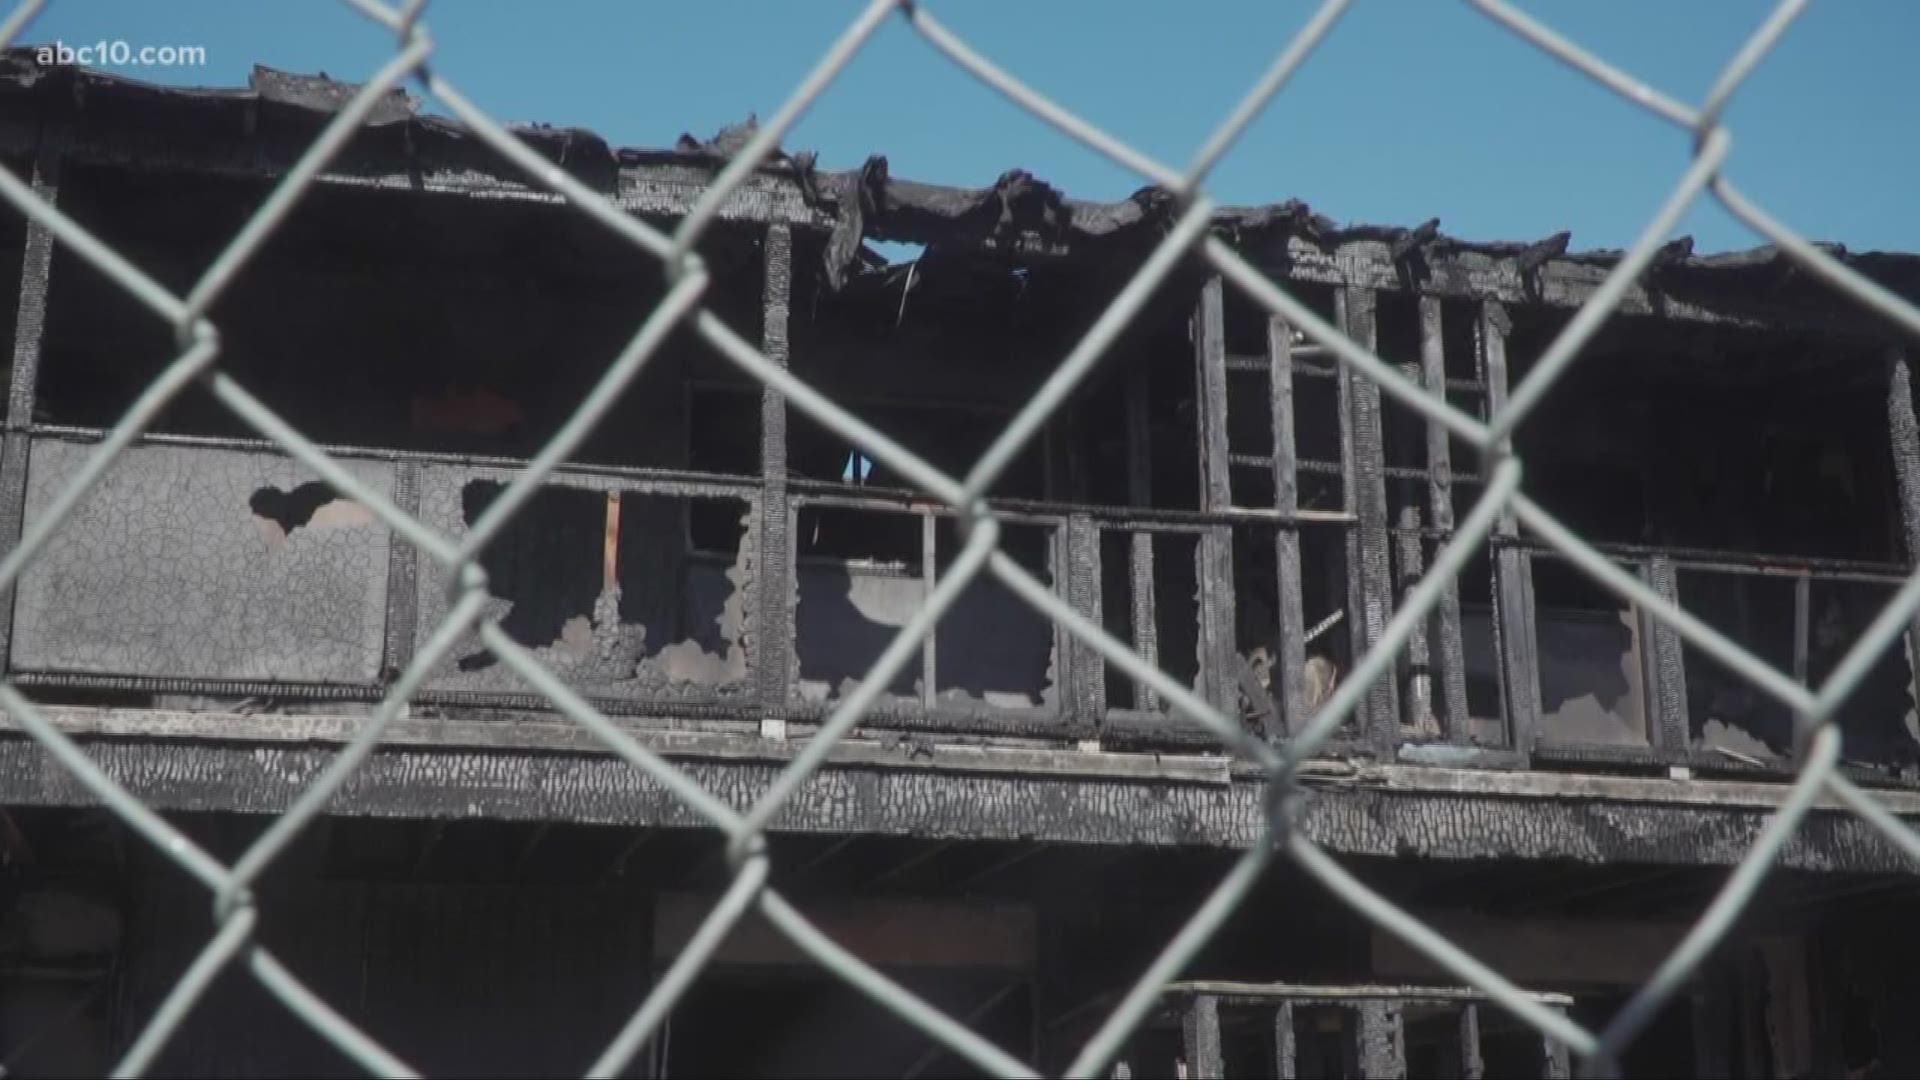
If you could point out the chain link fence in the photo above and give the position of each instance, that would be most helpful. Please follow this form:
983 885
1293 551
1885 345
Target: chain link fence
199 351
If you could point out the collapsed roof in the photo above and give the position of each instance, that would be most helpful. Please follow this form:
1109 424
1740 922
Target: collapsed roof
262 129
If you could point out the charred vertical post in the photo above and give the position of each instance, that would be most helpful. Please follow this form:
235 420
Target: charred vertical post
1286 1056
1673 731
773 617
1904 441
1215 553
1369 584
929 578
1383 1045
1146 632
1473 1065
1556 1063
1802 624
403 575
1410 564
1200 1038
1084 691
29 329
1512 571
1146 638
1290 666
1449 641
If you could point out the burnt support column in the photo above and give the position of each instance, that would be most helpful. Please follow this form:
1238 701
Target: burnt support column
1410 565
1672 731
1286 1056
403 577
1084 694
1146 631
1218 649
1473 1064
1512 570
1200 1038
1369 581
1448 645
1383 1043
773 617
1904 441
22 388
1290 666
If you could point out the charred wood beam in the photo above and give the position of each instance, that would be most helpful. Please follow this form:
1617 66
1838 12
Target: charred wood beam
1285 1052
1449 642
1200 1038
1672 728
1383 1041
1415 241
1904 442
1085 683
1369 573
1512 567
1218 656
1555 1061
1410 566
1146 630
775 587
29 329
1290 666
1473 1064
403 577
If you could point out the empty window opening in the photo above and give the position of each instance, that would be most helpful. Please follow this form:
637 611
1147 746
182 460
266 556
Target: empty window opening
992 647
1725 710
602 586
856 596
1591 679
1480 653
1877 720
1698 437
478 326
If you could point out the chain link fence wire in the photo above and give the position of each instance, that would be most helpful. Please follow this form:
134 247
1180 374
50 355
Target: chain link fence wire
199 346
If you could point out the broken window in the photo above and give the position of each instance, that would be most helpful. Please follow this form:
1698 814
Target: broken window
1803 625
604 586
475 328
1592 680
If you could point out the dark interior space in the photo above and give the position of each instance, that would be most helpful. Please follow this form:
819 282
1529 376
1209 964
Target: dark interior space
384 320
1690 436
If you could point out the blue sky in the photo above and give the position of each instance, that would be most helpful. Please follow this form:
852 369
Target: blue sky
1413 109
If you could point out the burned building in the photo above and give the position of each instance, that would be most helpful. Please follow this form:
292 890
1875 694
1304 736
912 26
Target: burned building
1551 777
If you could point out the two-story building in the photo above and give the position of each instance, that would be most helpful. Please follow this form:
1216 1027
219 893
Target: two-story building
1550 777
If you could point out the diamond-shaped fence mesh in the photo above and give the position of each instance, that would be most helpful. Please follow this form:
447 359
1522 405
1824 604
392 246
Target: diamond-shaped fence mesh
1504 499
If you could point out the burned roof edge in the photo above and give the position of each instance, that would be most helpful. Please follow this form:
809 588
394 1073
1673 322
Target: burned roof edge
261 129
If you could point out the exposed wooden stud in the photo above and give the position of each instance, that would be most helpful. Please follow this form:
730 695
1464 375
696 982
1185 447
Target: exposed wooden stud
1409 565
1085 698
1904 442
1289 677
29 330
1672 730
610 554
1214 572
1370 586
1802 618
1200 1038
403 576
1557 1064
1285 1053
1473 1064
1383 1040
929 577
1512 568
773 618
1146 632
1448 638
